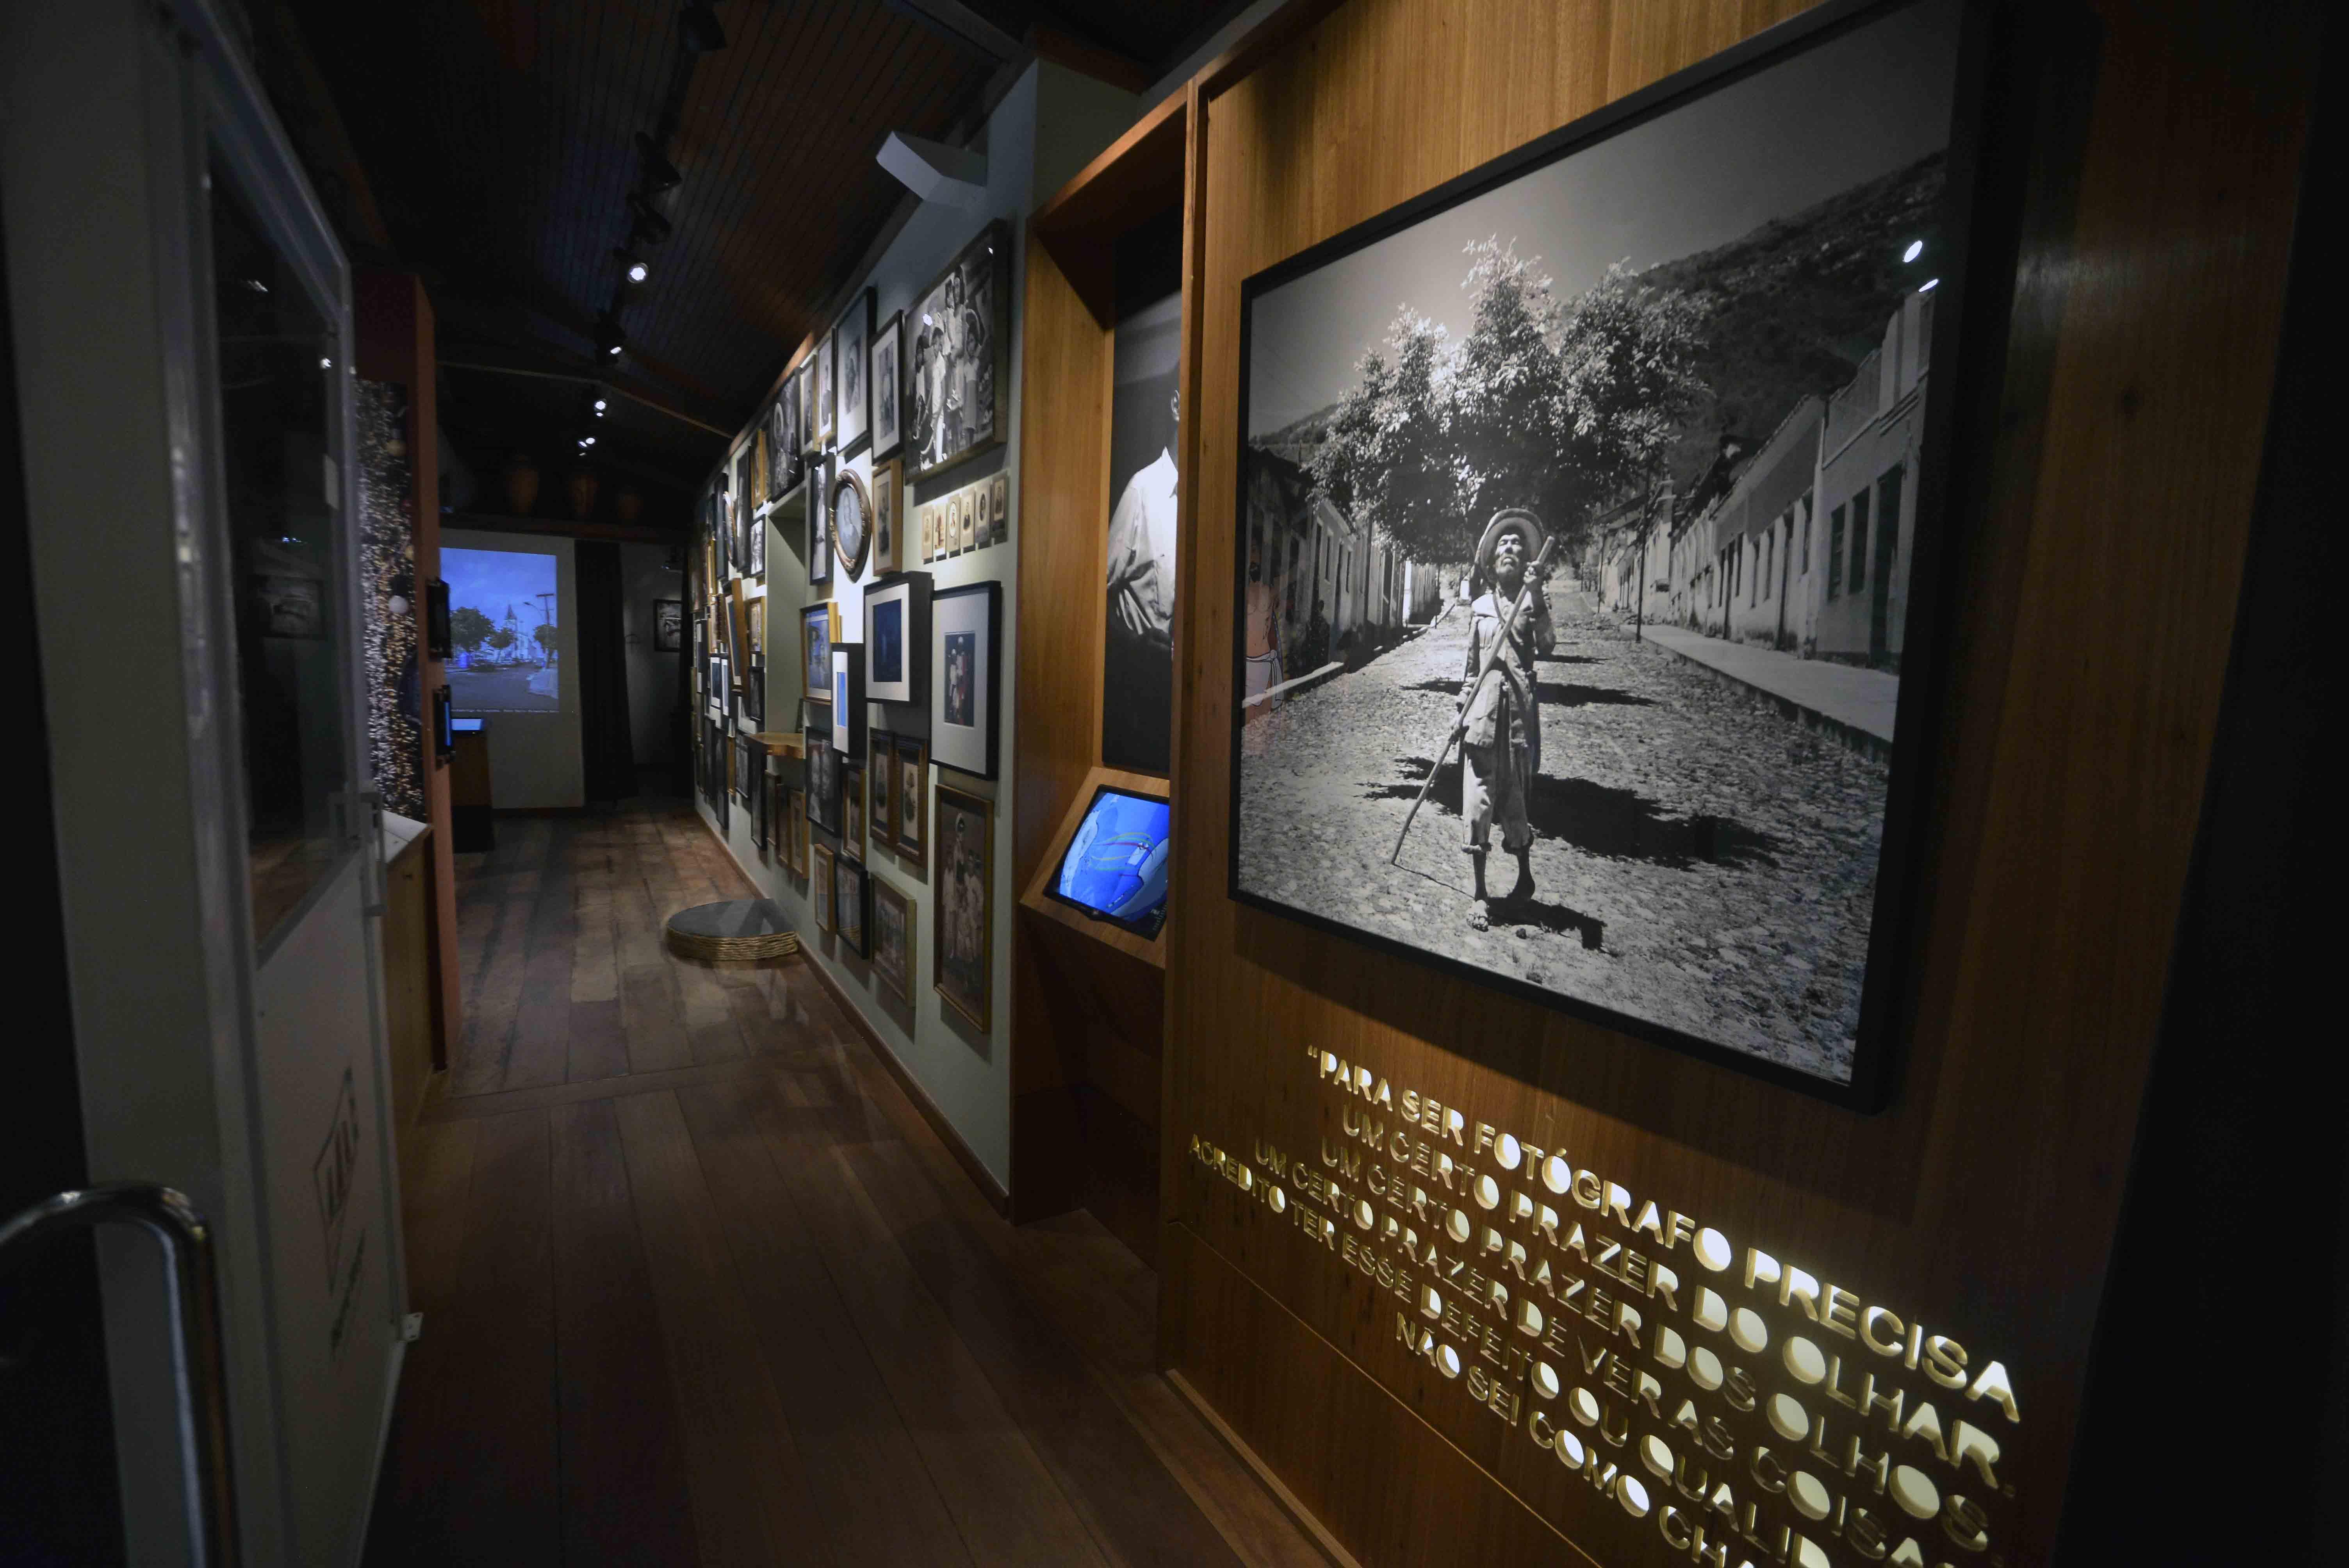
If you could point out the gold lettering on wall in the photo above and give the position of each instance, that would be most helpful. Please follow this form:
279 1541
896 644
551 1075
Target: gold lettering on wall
1755 1410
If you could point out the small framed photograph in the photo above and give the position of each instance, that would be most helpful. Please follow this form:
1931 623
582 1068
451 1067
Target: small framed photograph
852 893
669 626
966 669
983 527
825 423
820 864
911 813
967 502
848 697
823 783
897 633
851 807
782 446
810 434
851 336
852 522
799 837
893 940
776 818
999 505
819 629
819 520
754 694
762 798
749 763
888 495
291 606
887 396
929 525
880 762
962 947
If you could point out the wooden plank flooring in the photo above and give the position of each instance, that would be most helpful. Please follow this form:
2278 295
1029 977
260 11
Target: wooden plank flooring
700 1286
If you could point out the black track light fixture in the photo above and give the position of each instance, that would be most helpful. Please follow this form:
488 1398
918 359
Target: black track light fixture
660 174
632 267
651 225
609 341
698 29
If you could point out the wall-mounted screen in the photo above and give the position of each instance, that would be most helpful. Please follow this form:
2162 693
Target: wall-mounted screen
505 629
1115 867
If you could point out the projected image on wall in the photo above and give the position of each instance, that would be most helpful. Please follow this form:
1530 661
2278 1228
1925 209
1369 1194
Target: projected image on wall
506 639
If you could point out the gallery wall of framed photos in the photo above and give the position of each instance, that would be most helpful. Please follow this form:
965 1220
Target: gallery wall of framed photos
911 417
1682 1235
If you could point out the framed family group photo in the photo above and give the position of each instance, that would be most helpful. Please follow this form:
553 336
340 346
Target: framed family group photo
1590 511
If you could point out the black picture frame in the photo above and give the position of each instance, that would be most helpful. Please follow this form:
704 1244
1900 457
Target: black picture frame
817 545
438 642
823 781
848 697
907 594
933 442
852 904
975 746
851 375
1964 353
669 626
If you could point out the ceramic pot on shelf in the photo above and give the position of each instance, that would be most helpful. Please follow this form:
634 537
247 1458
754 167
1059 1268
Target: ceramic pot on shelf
580 488
521 485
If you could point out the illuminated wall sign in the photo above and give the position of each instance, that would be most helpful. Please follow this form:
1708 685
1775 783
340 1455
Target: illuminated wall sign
1751 1408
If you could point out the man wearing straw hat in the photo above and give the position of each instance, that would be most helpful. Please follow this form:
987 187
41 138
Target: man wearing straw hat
1500 739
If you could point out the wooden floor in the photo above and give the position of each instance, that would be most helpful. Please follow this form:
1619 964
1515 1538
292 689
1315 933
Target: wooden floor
700 1286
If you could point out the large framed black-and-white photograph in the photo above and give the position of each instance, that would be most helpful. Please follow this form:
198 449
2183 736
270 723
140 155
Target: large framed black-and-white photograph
1589 509
852 372
819 520
897 638
1138 635
956 365
965 671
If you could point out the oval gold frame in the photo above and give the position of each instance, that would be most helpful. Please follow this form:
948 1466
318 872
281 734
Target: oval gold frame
852 561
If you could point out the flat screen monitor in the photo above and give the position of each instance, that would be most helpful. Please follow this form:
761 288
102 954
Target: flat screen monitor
505 625
1115 868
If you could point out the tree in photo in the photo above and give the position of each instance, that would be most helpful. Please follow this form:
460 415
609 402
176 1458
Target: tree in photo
1562 409
469 628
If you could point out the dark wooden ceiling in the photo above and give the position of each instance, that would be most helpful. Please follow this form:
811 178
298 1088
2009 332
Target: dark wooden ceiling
491 145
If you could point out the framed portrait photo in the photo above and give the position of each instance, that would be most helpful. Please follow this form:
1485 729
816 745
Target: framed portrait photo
957 357
962 947
848 698
966 670
889 497
998 506
896 636
820 860
1770 489
819 521
823 782
852 806
852 372
819 629
888 399
851 896
881 769
826 414
893 941
912 810
669 626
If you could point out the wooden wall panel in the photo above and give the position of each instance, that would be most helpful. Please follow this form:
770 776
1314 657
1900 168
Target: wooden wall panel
2107 512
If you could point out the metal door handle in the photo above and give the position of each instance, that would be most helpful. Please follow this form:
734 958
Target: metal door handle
198 1363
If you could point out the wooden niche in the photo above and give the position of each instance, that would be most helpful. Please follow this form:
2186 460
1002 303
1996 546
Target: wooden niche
1978 1208
1089 1000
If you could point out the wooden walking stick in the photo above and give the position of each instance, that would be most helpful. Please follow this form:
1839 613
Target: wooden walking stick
1492 658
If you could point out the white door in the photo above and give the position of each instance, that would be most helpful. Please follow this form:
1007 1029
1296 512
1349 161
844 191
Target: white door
183 333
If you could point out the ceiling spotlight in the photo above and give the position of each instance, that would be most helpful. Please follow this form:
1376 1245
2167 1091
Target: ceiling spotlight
638 272
1928 285
587 440
608 337
660 174
599 407
1916 248
698 31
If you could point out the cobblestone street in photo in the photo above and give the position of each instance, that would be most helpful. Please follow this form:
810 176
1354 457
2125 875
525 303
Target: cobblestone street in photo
1702 863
